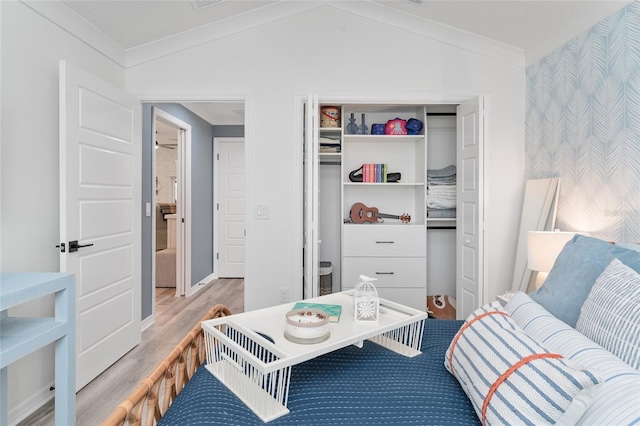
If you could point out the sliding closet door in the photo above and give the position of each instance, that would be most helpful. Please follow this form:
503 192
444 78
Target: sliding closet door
470 220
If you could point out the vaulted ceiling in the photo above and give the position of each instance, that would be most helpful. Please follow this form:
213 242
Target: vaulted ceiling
536 27
137 30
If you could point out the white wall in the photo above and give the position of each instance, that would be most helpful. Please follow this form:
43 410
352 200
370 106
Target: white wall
334 53
31 49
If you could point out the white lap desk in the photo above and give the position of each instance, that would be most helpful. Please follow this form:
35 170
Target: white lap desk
258 370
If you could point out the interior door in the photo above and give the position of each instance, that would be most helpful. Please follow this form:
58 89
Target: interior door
311 203
181 193
470 217
100 184
230 172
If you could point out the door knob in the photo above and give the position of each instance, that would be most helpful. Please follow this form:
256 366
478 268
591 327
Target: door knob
74 246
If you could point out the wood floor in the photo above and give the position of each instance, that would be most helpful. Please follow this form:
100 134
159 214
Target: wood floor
175 316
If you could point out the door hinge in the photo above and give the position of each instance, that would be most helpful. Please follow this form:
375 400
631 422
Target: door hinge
217 256
218 156
62 248
217 206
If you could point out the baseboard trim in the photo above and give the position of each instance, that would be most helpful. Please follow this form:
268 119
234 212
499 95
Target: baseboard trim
202 284
30 405
147 322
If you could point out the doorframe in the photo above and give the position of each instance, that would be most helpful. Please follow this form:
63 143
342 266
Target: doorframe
248 147
299 100
216 199
183 211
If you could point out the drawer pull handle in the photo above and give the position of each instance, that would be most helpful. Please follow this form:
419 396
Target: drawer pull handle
384 273
385 242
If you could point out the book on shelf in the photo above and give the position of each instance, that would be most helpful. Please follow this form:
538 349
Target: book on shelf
333 311
374 172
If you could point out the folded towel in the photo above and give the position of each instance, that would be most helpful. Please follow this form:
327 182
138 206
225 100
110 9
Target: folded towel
441 202
441 213
438 182
442 173
442 190
329 139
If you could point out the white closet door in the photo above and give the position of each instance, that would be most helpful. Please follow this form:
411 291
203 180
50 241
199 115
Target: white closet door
311 204
230 176
470 220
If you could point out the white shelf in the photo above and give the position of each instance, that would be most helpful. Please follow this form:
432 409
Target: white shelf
20 336
389 184
399 247
441 222
330 156
387 222
383 138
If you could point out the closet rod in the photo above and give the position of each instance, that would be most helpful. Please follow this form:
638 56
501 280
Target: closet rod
442 114
329 163
441 227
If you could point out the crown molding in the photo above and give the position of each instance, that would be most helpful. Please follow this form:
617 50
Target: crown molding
283 9
67 20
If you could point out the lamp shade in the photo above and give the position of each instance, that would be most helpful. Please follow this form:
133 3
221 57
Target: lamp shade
543 248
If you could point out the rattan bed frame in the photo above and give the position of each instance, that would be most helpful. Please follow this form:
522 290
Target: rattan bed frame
146 405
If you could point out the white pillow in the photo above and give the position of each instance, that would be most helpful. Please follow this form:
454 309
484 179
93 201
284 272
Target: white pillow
616 399
510 378
611 314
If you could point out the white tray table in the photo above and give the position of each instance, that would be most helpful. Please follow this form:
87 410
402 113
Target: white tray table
250 354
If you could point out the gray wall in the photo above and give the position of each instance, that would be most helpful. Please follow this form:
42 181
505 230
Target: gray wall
202 134
228 131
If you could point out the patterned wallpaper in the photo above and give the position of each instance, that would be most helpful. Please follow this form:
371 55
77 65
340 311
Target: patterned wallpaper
583 125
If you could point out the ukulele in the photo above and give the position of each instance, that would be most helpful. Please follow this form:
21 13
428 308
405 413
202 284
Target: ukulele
360 214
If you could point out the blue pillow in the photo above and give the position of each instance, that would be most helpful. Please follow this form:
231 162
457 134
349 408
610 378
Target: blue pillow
575 271
630 246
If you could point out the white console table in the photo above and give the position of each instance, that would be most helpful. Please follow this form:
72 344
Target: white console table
19 336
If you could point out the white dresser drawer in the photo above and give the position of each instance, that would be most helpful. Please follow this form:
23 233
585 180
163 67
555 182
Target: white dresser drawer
389 272
413 297
384 240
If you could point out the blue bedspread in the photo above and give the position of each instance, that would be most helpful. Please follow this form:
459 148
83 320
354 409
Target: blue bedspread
351 386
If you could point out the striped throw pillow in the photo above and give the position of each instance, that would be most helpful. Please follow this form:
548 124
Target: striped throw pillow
611 314
616 399
510 378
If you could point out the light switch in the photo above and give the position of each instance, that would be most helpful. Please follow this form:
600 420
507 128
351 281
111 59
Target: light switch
262 211
147 207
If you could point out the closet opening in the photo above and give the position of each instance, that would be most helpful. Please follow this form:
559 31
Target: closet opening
422 234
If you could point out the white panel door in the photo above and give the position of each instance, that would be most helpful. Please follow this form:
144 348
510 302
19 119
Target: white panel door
311 200
100 184
231 207
470 220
